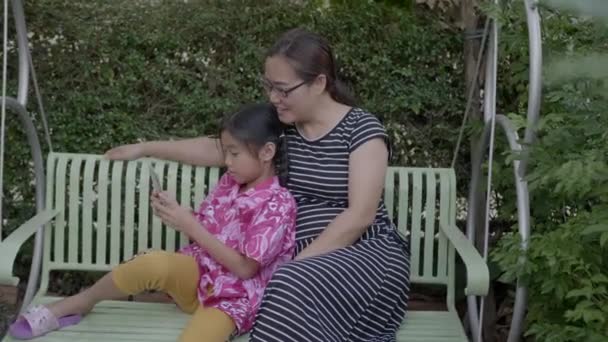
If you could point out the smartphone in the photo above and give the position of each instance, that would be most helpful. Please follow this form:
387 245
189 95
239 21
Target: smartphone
155 180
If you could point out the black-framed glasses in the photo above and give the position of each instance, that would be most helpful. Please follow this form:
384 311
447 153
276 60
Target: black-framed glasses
283 93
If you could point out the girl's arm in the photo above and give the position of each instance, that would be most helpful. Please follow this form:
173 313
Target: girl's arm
181 219
202 151
367 171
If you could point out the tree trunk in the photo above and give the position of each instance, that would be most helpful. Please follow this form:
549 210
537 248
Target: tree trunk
470 22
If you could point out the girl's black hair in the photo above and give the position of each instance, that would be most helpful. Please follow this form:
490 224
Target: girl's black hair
255 125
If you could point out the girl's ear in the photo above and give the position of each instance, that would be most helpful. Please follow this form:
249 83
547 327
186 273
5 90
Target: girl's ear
267 152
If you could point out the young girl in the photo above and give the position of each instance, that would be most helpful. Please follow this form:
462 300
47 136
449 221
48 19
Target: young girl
242 232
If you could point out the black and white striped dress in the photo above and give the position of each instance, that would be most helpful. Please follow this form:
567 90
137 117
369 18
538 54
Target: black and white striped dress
357 293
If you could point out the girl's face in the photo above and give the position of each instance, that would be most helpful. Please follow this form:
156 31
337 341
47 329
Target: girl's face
244 165
291 95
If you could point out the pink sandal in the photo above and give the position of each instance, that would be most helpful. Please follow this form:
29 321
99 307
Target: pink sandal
38 321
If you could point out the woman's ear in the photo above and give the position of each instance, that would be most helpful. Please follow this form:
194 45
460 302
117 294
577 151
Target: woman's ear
267 152
319 85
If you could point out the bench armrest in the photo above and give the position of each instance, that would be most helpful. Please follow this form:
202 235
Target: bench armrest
478 274
10 246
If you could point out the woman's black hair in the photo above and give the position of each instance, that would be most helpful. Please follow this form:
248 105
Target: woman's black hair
311 55
256 125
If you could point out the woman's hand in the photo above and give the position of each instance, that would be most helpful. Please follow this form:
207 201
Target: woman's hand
174 215
125 152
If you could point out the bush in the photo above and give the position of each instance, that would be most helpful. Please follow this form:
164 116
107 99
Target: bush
121 71
567 262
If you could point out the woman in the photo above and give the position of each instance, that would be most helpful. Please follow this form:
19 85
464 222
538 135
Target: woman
349 280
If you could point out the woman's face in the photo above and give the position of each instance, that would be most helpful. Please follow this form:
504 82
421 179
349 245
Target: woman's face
291 95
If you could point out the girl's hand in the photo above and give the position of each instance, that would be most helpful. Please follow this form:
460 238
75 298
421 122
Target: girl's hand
174 215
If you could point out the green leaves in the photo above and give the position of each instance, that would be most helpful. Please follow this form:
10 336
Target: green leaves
566 265
598 232
567 275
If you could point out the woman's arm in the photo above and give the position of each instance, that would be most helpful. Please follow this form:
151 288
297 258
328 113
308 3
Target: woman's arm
202 151
367 171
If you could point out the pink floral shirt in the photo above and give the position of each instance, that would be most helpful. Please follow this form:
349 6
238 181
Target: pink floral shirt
260 224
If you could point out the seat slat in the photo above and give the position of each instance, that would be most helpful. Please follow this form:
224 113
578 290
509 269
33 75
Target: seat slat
186 196
416 223
429 220
129 209
143 218
159 168
172 189
74 210
199 185
444 219
102 212
59 228
50 203
389 193
88 203
214 176
116 209
403 202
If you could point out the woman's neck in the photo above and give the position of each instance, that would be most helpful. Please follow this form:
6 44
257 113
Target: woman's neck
323 117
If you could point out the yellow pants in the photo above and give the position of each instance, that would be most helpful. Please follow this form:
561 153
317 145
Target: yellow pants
178 276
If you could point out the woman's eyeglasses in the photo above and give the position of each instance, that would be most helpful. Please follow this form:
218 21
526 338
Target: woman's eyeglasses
283 93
